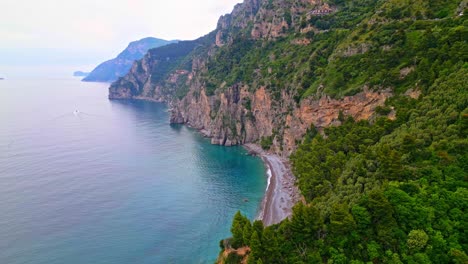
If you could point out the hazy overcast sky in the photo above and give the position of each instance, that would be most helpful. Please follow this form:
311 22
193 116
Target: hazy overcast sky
57 33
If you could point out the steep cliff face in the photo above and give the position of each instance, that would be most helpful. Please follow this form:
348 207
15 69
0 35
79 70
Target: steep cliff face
260 19
136 83
225 117
238 116
239 19
260 75
160 75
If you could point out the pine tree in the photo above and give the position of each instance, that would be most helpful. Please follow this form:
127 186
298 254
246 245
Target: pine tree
247 233
271 248
258 226
255 247
237 229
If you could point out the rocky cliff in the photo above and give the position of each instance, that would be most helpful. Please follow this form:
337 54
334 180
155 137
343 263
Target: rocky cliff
270 72
238 116
162 75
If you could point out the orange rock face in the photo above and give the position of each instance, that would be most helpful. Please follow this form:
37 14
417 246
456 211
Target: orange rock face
324 112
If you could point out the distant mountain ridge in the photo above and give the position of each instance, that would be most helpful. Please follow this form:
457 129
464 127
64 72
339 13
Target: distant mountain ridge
111 70
80 74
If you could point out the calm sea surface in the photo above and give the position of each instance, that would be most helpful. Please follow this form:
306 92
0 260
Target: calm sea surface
114 183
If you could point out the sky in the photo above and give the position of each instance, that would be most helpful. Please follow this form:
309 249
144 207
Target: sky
40 37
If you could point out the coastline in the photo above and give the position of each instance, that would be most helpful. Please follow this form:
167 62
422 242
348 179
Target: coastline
281 193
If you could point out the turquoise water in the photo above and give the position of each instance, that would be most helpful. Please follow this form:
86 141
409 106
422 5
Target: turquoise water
114 182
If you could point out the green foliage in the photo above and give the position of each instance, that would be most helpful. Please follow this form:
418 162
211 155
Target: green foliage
233 258
255 247
305 223
458 256
318 163
383 52
183 88
386 192
266 142
396 50
247 232
417 240
383 110
231 64
240 231
341 221
379 191
170 58
350 13
395 44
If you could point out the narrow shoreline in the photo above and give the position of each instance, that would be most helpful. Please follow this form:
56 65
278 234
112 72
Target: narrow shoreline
281 193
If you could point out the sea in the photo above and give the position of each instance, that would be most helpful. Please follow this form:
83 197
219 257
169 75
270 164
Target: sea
87 180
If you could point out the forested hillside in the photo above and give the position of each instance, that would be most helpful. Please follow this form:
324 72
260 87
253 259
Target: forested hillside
391 189
386 192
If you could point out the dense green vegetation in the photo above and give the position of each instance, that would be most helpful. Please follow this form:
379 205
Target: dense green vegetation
388 192
365 43
377 191
171 57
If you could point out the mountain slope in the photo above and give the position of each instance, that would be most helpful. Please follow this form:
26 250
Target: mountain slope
161 74
388 192
262 73
368 99
111 70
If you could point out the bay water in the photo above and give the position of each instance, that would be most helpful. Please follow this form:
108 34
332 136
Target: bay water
88 180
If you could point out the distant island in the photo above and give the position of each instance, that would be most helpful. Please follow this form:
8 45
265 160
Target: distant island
111 70
80 74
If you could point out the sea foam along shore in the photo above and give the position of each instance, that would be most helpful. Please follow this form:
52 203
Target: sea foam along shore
281 193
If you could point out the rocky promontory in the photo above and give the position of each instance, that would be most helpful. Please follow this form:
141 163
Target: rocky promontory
111 70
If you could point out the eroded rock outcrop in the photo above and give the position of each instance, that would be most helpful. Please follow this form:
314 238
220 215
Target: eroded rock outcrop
239 116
